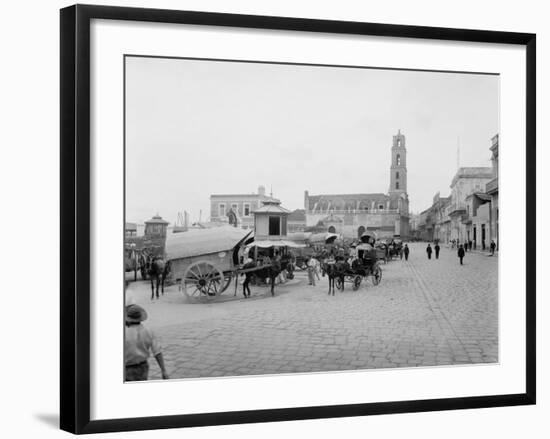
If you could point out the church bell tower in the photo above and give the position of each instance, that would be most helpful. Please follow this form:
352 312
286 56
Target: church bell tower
398 169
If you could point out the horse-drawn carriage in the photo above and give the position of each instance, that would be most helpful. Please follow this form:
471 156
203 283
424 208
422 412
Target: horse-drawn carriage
204 261
364 265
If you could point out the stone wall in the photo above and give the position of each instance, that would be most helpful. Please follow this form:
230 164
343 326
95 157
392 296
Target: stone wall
348 224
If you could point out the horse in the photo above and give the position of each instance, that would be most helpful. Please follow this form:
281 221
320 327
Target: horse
271 273
335 270
158 271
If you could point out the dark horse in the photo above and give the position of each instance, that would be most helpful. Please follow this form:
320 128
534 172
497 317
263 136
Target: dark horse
158 271
335 270
271 273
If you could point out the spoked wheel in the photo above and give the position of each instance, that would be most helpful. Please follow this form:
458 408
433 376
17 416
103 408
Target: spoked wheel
377 275
356 282
203 281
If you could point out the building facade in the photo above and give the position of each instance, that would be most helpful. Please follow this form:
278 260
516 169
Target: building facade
491 189
223 206
297 221
470 213
466 182
351 215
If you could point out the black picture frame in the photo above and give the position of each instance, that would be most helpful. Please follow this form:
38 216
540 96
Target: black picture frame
75 217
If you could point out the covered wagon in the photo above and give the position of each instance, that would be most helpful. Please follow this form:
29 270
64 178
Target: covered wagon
204 261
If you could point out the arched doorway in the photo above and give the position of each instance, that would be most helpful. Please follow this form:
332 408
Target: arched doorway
360 231
331 229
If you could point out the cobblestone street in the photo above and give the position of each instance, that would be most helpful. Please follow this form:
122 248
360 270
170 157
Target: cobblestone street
424 313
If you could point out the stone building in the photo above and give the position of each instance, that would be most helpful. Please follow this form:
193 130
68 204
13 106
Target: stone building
156 227
470 213
491 189
353 214
242 205
297 221
466 182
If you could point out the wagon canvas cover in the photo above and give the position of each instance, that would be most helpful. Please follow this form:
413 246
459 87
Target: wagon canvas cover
203 241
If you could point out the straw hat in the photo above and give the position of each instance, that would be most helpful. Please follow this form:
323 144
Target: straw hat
135 314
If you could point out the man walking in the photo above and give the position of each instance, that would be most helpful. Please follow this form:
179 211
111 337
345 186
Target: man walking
406 252
493 247
461 253
437 248
311 264
429 251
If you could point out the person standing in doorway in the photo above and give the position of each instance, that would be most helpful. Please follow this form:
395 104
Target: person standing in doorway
429 251
461 254
437 248
406 252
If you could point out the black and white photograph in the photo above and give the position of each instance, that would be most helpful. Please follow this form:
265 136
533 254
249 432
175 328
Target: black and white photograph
286 218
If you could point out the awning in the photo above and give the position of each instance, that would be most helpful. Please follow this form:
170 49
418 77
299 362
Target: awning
326 238
272 243
197 242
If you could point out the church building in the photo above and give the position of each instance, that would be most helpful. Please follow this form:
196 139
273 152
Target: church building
352 215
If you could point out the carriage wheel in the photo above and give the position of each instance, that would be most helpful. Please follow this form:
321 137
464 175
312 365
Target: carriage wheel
377 275
202 280
339 283
357 282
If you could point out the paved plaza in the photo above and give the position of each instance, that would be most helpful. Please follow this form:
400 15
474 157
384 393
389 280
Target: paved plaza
424 313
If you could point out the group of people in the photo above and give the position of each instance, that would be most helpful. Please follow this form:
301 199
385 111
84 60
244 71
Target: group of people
460 253
461 249
469 244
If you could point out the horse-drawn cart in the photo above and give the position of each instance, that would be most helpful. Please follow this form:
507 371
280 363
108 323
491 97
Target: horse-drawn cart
204 261
365 265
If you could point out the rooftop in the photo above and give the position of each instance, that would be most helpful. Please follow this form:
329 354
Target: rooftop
157 219
271 206
297 215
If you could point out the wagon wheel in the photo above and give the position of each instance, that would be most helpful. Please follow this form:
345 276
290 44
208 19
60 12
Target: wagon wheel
357 282
203 280
377 275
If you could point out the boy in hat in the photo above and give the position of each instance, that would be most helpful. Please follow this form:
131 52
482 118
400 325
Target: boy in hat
139 343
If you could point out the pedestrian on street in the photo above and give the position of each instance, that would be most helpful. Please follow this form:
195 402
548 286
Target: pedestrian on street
317 268
275 270
406 252
461 254
139 344
437 248
311 270
470 245
493 247
429 251
248 263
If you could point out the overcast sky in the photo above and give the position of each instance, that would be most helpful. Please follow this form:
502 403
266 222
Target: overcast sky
195 128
